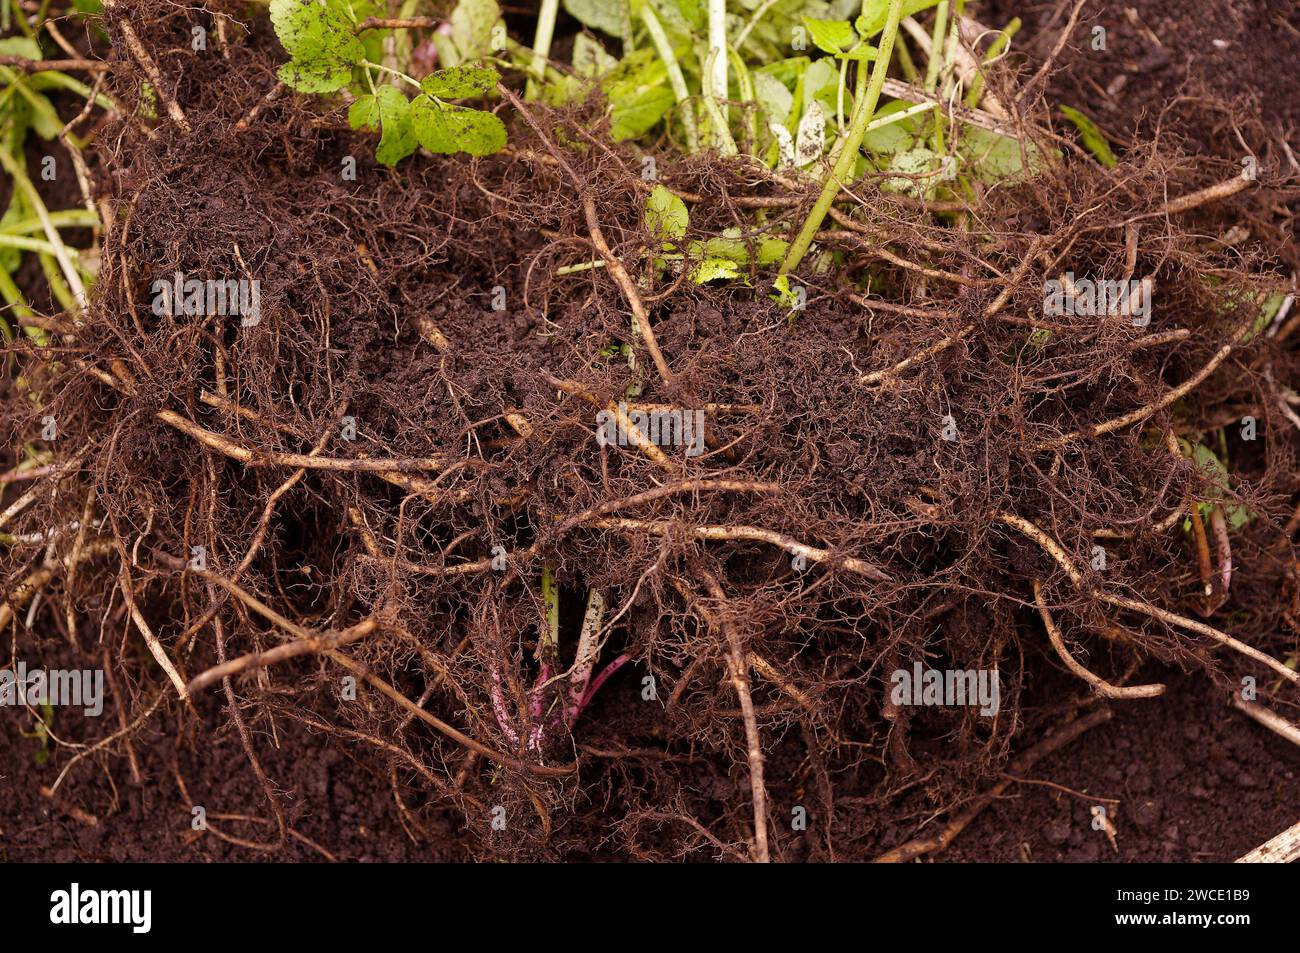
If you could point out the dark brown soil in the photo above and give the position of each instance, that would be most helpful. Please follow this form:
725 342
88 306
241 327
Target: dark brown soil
354 272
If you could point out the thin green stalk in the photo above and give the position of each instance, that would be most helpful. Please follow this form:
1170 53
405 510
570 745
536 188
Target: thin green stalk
910 72
743 35
549 643
52 77
849 146
745 95
14 298
936 46
675 78
541 47
58 287
26 244
67 218
21 181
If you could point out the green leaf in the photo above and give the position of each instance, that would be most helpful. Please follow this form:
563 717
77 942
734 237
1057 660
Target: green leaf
316 76
895 137
472 25
20 46
772 97
712 269
389 112
589 58
444 129
460 82
11 258
831 36
996 157
1092 137
600 15
785 295
666 217
635 115
313 33
876 12
320 42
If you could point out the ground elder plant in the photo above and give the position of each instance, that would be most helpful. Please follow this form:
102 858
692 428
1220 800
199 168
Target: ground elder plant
750 430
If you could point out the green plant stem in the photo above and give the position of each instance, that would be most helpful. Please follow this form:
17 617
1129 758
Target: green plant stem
936 46
393 72
675 78
722 132
21 181
541 47
849 146
549 642
743 35
745 95
67 218
25 243
718 47
580 267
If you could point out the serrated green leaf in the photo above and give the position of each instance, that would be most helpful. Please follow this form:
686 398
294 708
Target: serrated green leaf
316 34
712 269
364 113
635 115
442 128
666 217
460 82
389 112
1092 137
831 36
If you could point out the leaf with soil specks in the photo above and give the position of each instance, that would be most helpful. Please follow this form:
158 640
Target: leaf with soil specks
460 82
712 269
666 217
445 129
321 43
811 139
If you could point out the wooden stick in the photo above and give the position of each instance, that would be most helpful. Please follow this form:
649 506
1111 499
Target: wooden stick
1282 849
1268 718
